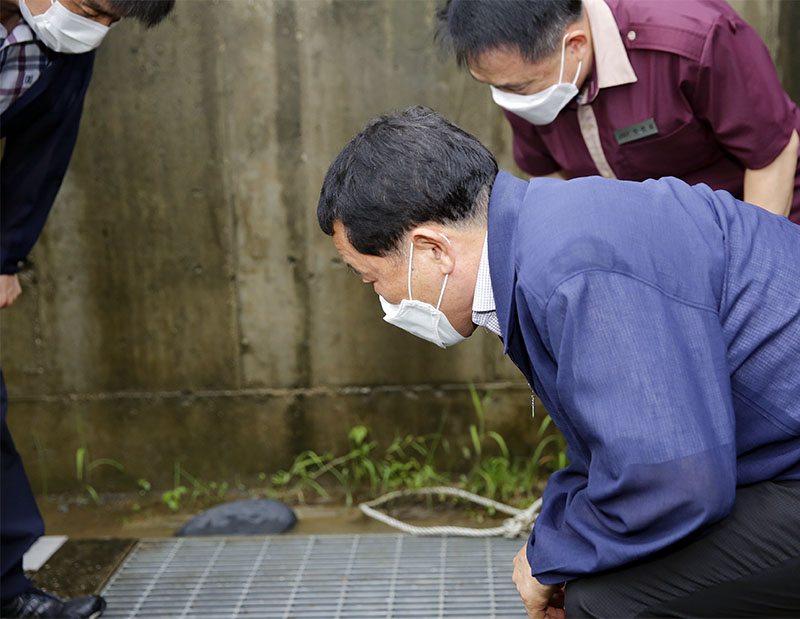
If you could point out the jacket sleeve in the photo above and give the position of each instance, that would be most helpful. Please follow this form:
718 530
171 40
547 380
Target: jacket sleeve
644 387
40 137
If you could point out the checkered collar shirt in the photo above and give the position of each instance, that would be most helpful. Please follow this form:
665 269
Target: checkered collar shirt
483 307
22 60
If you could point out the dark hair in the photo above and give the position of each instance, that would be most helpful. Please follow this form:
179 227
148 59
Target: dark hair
535 27
403 170
149 12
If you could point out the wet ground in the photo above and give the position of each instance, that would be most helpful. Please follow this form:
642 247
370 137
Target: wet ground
101 536
128 516
82 566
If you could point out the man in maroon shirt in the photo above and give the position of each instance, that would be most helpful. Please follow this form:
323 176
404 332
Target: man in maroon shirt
635 90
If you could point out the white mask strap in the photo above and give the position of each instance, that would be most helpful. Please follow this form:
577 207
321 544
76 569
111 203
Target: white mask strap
446 275
577 73
410 258
563 58
441 294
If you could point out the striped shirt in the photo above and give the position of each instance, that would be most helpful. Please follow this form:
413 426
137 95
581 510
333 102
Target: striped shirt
22 60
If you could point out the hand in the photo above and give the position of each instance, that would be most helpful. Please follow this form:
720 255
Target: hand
9 290
541 601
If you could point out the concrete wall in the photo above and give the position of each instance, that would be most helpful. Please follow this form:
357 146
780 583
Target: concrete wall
184 306
777 22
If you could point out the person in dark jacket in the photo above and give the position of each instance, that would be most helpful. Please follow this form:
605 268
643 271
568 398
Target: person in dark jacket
658 322
46 57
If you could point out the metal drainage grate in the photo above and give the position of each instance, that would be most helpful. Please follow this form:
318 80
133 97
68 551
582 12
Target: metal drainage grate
326 576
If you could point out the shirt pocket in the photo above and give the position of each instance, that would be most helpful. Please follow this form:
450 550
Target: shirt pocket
688 148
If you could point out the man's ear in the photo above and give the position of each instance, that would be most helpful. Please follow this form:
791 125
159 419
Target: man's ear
433 244
578 43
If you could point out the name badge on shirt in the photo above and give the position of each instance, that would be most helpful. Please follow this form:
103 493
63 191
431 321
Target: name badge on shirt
636 132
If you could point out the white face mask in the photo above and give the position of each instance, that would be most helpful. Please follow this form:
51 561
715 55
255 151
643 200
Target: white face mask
64 31
541 108
422 319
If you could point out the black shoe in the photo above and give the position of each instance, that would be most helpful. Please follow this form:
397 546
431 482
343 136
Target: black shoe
37 603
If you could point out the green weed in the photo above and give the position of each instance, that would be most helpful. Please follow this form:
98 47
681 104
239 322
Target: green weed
409 463
85 465
186 485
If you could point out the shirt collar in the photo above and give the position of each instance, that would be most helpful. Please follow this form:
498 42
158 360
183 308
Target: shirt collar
611 64
484 313
483 300
21 33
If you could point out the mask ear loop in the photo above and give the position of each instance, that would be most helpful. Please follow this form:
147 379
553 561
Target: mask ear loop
441 294
563 58
446 275
578 72
410 258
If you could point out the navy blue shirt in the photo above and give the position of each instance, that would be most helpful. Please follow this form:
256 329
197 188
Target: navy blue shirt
660 325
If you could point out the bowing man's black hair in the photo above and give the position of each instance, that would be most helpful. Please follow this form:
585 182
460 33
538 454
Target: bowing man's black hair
403 170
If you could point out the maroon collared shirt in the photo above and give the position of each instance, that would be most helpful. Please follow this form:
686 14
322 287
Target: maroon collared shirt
707 103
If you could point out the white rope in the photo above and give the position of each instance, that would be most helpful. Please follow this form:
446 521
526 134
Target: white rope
518 525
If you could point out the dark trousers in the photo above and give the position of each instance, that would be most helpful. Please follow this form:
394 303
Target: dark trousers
747 565
21 523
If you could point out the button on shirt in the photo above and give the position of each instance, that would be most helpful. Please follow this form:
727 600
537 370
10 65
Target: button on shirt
483 309
678 88
22 60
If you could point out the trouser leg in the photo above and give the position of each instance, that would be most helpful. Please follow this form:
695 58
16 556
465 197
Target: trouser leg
20 521
747 565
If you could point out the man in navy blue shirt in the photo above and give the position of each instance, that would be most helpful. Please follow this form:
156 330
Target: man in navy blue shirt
660 325
46 58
